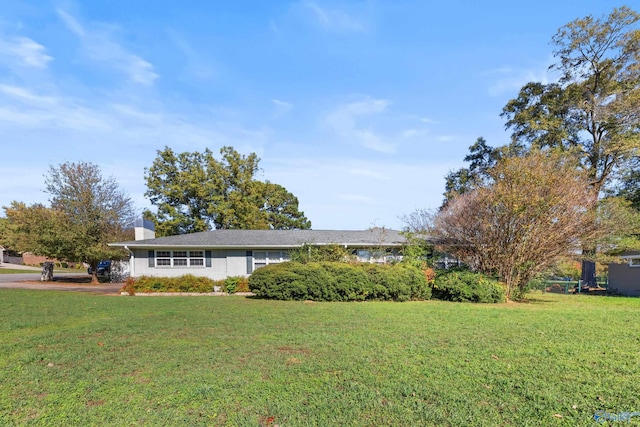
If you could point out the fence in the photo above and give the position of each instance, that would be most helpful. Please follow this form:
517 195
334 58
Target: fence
567 285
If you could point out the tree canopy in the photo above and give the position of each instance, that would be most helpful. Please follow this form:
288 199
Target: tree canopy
531 211
593 110
87 211
194 191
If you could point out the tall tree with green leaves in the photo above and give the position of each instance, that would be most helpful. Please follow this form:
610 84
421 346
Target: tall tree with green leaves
87 211
593 111
194 191
481 158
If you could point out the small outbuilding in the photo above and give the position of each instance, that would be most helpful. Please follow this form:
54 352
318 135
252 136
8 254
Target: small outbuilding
624 278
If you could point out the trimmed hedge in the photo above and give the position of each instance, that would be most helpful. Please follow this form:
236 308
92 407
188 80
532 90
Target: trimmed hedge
336 281
466 286
186 283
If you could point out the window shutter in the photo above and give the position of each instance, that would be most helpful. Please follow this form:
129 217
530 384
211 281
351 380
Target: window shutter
152 259
207 256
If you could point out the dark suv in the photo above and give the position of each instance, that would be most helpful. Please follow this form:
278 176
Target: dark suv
104 267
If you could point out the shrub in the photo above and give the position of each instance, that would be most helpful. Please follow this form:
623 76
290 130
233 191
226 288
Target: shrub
186 283
466 286
336 281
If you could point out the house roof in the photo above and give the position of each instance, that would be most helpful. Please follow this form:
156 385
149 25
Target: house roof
273 238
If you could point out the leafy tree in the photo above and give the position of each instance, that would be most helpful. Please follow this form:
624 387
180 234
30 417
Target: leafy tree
528 215
196 192
280 208
628 185
481 157
593 111
87 212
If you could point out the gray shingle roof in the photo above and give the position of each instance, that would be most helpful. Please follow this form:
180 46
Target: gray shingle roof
273 238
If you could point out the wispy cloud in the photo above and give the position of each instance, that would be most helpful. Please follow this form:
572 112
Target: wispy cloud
367 173
445 138
99 45
344 121
282 107
333 19
195 63
357 198
25 95
24 51
506 79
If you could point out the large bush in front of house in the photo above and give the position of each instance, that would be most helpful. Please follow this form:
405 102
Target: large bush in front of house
337 281
467 286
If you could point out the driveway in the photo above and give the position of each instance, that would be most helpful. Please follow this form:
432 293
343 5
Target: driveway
61 282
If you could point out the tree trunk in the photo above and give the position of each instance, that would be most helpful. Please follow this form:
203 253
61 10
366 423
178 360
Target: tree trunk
94 276
588 275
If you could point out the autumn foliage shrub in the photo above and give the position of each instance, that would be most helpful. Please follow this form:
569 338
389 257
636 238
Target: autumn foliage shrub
467 286
186 283
337 281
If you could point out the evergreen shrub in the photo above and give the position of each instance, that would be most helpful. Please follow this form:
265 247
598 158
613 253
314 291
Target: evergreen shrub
467 286
338 281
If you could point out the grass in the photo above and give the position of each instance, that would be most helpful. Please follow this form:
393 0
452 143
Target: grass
77 359
17 271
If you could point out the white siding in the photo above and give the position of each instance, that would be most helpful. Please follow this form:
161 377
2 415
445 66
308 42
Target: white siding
224 263
236 263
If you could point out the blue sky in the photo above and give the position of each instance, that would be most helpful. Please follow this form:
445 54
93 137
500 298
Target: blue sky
359 108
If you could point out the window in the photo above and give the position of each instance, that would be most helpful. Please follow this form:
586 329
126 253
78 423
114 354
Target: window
196 259
179 258
163 258
634 262
262 258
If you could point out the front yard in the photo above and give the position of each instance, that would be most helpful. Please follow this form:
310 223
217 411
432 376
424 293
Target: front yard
77 359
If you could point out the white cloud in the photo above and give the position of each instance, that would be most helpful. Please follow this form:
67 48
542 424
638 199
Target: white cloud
24 95
344 121
25 51
357 198
282 107
412 133
335 20
195 63
344 193
445 138
510 80
99 45
368 173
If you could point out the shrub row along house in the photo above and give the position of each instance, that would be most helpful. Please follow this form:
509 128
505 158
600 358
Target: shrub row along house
219 254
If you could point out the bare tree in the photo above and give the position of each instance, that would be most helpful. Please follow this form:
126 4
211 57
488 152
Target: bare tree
530 214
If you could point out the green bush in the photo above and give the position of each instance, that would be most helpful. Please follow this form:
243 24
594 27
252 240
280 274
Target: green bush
336 281
466 286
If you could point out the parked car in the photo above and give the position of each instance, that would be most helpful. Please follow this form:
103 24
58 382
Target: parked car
104 268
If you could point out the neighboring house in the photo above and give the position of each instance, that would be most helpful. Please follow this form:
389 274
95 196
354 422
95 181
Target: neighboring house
624 278
1 254
224 253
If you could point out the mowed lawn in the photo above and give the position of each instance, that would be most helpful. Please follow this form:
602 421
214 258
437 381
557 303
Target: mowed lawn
78 359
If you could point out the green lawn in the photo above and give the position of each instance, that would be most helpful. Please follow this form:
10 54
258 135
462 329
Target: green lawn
78 359
6 270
